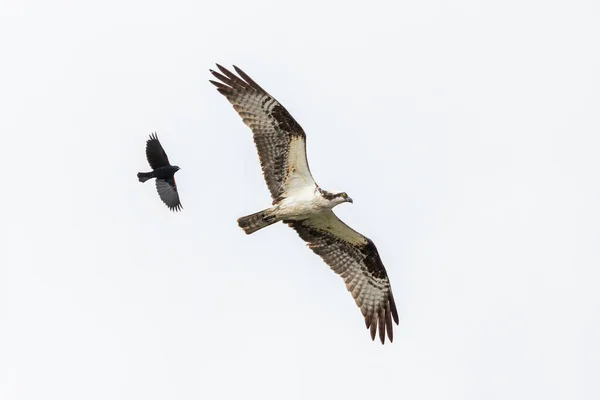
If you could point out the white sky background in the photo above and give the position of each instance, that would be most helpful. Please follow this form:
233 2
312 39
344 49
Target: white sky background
466 133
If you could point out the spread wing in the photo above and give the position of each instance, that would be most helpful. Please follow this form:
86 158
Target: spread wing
167 190
355 258
155 153
279 139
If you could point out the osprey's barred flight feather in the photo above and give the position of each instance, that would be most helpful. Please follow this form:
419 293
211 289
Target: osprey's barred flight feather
299 202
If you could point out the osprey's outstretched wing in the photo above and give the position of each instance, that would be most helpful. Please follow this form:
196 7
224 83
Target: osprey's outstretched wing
355 258
155 153
280 140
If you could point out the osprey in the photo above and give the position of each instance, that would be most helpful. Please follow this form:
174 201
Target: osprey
300 203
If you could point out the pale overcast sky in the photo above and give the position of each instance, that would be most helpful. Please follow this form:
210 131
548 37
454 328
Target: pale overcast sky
466 132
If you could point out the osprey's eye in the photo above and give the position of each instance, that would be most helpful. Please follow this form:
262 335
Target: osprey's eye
344 195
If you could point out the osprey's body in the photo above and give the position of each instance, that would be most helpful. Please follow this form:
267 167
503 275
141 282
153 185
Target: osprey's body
300 203
305 203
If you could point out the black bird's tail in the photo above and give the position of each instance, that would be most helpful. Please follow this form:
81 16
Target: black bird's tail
144 176
254 222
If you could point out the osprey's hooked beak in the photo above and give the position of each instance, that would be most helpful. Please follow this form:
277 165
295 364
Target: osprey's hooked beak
349 200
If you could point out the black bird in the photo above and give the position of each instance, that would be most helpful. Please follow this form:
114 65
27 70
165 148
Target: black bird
164 173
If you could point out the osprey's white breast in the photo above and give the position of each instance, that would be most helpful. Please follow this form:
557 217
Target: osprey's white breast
302 204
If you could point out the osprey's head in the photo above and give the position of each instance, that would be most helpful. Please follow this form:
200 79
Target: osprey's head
336 197
342 197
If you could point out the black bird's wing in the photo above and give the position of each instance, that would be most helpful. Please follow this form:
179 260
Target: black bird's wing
155 153
355 258
279 139
167 190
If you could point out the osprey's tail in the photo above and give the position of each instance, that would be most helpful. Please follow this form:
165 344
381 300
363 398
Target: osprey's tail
253 222
144 176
